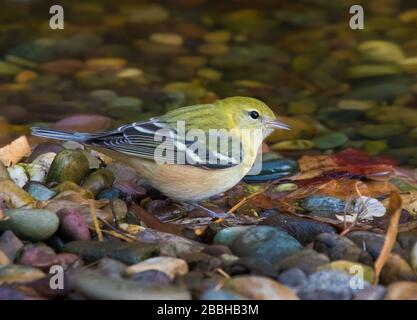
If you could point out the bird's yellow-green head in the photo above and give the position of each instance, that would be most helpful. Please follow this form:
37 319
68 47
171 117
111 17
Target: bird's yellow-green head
250 113
230 113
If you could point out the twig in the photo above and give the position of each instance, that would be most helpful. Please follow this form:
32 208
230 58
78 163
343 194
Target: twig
95 221
394 209
114 229
245 199
223 273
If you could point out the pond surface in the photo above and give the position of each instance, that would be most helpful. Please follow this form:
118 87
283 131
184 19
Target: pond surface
129 60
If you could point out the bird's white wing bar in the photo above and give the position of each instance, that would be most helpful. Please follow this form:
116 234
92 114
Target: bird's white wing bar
142 139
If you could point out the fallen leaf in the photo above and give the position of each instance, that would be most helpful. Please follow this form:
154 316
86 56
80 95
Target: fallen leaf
321 162
153 222
410 202
362 208
15 151
353 162
346 188
84 123
394 211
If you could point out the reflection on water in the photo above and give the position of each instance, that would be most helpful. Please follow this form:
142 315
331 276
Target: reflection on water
133 59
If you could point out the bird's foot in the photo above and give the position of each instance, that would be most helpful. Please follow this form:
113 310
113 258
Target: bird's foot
212 213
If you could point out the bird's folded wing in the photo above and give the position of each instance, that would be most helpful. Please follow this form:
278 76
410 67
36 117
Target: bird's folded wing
158 141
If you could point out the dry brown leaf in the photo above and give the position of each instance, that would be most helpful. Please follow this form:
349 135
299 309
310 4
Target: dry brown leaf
410 201
322 162
15 151
346 188
394 211
153 222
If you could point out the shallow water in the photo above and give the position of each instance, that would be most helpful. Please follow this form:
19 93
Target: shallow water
130 60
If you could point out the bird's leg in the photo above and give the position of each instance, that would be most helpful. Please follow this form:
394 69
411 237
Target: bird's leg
210 212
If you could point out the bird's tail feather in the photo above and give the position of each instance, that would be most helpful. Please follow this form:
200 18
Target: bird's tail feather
60 135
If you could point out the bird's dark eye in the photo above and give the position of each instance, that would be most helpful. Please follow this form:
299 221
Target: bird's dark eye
254 114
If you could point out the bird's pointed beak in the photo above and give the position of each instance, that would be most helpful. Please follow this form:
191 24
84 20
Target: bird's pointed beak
276 124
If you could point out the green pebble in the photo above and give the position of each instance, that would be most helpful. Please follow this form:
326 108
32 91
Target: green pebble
99 180
285 187
4 174
17 273
32 224
330 140
381 51
375 147
350 268
126 102
101 287
68 165
8 69
129 253
293 145
380 131
302 107
368 70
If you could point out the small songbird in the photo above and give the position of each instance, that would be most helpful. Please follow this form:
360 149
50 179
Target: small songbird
187 168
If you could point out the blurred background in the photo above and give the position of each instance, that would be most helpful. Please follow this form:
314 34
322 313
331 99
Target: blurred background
129 60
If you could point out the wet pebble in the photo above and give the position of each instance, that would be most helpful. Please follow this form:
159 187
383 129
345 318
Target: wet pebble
111 268
402 290
4 174
172 39
264 242
327 285
98 181
129 253
381 131
14 196
293 145
293 278
16 273
371 293
72 225
154 277
99 287
351 268
43 257
4 260
248 265
304 230
381 51
330 140
306 260
39 191
259 288
273 169
396 269
8 69
10 245
34 224
371 242
220 295
68 165
337 247
323 205
170 266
